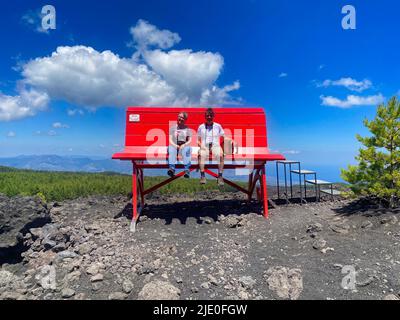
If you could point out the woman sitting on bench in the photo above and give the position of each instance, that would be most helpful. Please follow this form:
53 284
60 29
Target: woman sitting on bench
180 137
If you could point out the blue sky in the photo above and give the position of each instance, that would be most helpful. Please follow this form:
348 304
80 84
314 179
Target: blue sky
291 57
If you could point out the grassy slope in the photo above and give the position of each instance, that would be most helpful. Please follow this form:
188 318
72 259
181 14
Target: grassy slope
58 186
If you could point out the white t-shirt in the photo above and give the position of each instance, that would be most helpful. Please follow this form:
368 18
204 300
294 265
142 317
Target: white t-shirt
210 134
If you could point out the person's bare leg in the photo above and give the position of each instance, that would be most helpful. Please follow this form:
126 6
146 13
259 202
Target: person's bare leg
220 157
202 161
221 164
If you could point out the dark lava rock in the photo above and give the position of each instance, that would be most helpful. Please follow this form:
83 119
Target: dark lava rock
367 225
314 227
340 228
17 216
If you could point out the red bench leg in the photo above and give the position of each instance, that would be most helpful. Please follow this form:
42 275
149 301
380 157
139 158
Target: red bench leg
264 191
250 194
141 187
134 198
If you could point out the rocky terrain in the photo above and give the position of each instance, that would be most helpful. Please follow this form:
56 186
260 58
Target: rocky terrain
215 247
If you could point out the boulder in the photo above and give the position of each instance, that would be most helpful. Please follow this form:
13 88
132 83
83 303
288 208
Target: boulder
117 296
17 216
319 244
159 290
127 286
286 283
233 221
247 282
67 293
340 228
314 227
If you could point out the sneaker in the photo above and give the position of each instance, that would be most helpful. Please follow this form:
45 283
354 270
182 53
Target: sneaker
203 180
171 173
221 181
187 174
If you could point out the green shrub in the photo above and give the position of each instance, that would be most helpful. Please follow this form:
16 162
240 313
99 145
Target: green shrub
59 186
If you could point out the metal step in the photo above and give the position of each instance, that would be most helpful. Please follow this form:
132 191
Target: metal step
333 192
288 161
303 171
319 182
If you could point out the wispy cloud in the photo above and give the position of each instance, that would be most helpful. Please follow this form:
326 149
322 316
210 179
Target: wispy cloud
147 35
33 20
11 134
291 152
59 125
49 133
283 75
286 151
352 101
73 112
348 83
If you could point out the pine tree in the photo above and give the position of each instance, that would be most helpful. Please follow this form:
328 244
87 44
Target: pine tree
378 171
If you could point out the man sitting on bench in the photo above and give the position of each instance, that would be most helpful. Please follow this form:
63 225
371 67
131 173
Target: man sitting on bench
208 140
180 137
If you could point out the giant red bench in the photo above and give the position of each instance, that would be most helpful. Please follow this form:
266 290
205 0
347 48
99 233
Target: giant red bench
146 143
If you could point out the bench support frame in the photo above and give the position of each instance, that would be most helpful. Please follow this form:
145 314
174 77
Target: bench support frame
258 174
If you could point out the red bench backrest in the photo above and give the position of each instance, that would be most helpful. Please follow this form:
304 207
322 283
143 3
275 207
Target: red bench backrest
146 126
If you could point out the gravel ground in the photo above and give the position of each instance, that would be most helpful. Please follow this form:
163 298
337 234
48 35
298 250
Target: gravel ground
215 247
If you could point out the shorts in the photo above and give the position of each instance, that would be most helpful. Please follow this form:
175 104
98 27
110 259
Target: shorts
216 152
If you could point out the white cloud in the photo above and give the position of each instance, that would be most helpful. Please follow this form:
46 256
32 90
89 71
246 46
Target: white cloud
286 152
352 101
59 125
26 104
283 75
50 133
73 112
145 34
348 83
189 73
215 95
11 134
291 152
33 20
85 77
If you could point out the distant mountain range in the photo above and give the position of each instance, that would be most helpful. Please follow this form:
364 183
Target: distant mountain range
66 163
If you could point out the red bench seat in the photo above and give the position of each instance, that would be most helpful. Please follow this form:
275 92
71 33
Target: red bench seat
160 153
